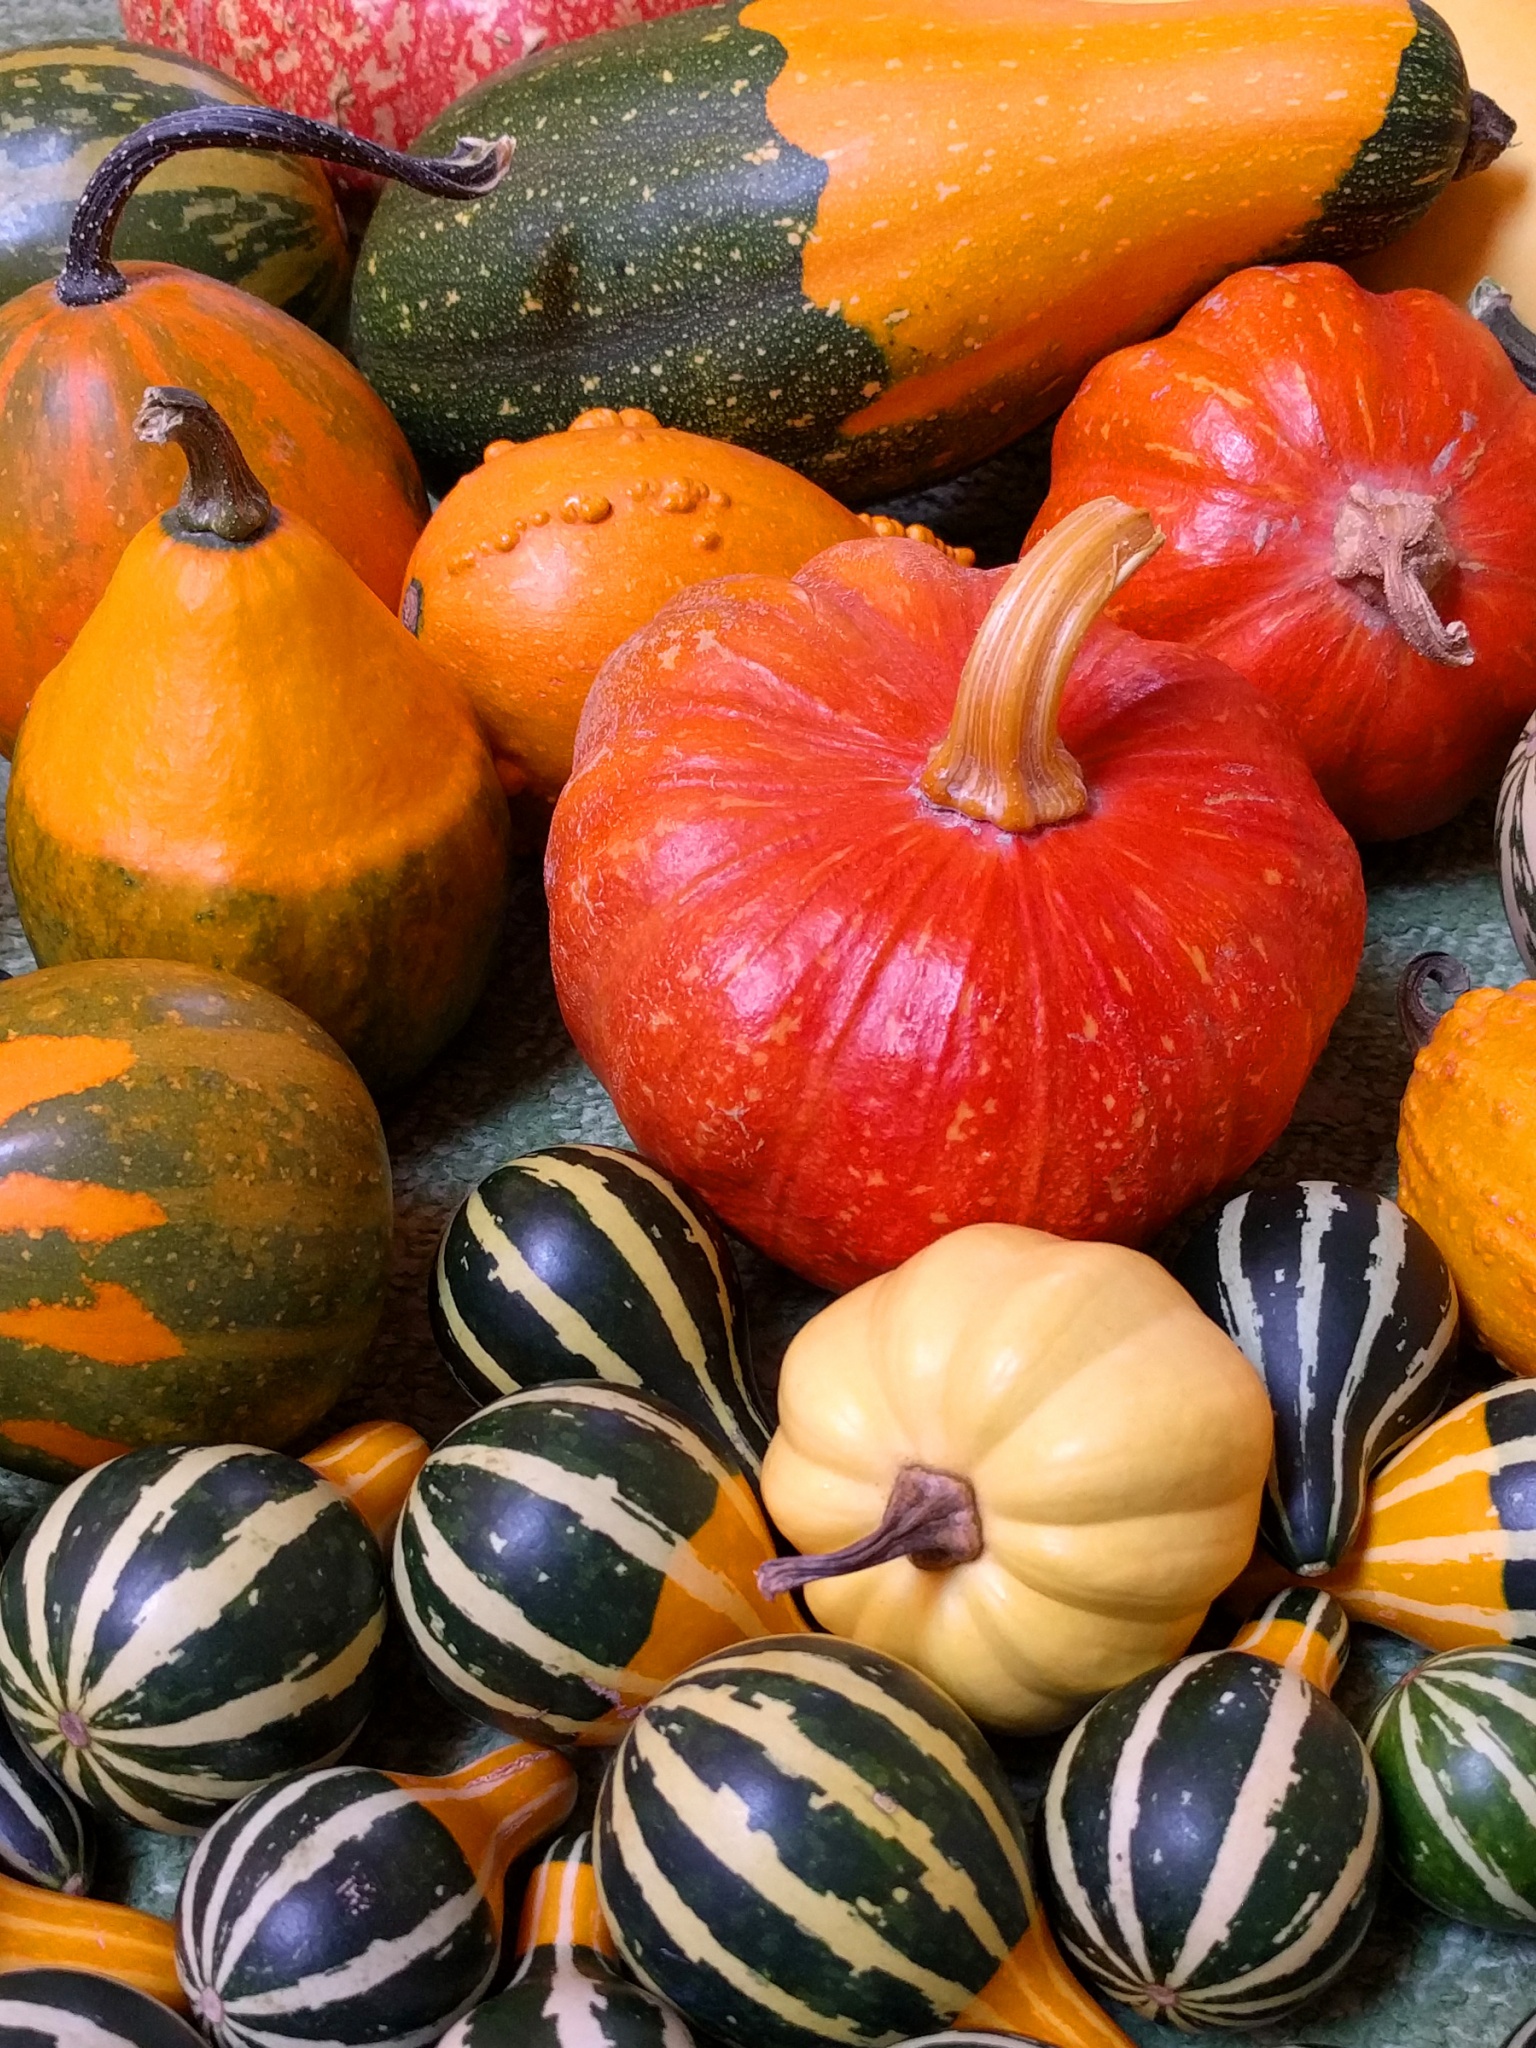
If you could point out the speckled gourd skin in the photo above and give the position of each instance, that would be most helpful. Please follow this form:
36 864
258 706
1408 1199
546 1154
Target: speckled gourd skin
1466 1150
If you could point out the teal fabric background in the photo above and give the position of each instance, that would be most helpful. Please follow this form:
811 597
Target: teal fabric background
514 1082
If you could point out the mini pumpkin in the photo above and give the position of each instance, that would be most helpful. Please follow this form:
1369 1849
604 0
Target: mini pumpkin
245 762
537 565
1466 1148
1034 1463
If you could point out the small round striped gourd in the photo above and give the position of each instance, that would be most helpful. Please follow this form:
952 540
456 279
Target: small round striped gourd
43 1834
568 1990
82 2009
568 1550
1213 1831
183 1625
1454 1745
1349 1313
1515 830
1446 1554
587 1262
359 1908
802 1841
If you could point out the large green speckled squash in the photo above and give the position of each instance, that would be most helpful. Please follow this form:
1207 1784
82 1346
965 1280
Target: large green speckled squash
195 1214
265 222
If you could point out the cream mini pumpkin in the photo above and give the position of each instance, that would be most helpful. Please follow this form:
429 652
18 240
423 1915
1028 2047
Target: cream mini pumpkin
1046 1460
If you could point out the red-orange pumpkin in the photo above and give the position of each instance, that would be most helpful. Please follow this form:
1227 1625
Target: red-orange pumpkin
75 356
1345 483
862 960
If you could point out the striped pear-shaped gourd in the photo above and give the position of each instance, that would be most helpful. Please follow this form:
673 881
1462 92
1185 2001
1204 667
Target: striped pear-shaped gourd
568 1550
1515 830
181 1626
1213 1831
1446 1554
568 1990
1305 1631
802 1840
1454 1745
83 2009
43 1834
1349 1313
358 1908
584 1262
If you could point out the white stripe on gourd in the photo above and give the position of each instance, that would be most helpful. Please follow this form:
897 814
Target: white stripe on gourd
65 2029
514 1273
460 1331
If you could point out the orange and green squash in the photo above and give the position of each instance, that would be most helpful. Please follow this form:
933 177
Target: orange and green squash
246 762
880 241
267 223
76 355
1466 1149
540 562
195 1215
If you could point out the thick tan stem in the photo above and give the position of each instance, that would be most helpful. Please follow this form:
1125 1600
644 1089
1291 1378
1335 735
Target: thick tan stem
930 1517
222 495
1002 759
1392 549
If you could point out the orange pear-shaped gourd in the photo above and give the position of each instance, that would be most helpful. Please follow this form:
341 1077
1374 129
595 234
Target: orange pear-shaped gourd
245 762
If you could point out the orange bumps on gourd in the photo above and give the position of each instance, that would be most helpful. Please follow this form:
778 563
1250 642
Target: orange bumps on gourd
541 562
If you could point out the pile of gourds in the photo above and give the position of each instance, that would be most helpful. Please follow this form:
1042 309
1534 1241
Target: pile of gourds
944 932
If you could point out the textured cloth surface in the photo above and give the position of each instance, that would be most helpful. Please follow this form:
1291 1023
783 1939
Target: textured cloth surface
514 1082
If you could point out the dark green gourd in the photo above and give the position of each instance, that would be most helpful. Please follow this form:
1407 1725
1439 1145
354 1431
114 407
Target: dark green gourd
80 2009
43 1834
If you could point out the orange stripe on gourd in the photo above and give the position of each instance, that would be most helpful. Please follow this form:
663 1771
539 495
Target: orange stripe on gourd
730 1546
117 1329
59 1440
54 1930
562 1910
34 1070
1048 202
86 1212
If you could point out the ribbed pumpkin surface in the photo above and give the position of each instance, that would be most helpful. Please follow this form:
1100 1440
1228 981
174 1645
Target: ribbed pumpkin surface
1214 1836
586 1262
804 1841
1348 1311
182 1626
43 1839
568 1550
1454 1745
81 2009
195 1214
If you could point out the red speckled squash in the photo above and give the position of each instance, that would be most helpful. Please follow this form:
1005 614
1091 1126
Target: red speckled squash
862 960
1345 483
383 68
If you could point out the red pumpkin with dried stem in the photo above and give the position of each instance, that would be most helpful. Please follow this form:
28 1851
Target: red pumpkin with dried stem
1345 483
880 909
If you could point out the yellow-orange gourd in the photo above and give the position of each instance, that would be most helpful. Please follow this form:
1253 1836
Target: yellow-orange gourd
246 763
1466 1152
537 565
1062 1457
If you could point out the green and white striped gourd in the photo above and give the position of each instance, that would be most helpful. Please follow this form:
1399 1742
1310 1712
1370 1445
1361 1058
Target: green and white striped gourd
183 1625
1515 830
802 1840
1454 1745
568 1550
357 1908
43 1834
584 1262
80 2009
1213 1831
568 1990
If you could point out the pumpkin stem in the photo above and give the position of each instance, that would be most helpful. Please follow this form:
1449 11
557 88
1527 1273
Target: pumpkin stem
1392 549
1415 1018
1002 759
89 277
221 495
1492 305
930 1517
1490 131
